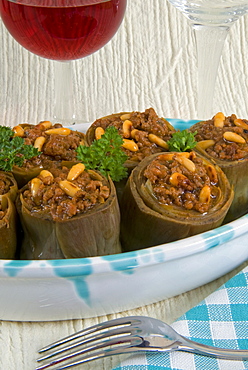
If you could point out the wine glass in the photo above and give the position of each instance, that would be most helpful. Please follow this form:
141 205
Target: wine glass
211 21
63 31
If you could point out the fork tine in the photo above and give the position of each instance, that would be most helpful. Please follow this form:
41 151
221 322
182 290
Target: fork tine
92 352
112 332
117 332
93 329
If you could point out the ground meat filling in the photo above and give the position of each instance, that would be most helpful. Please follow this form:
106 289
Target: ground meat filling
173 184
225 146
5 185
50 196
142 124
57 147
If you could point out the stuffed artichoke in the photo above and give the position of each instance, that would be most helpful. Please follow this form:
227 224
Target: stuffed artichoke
69 213
55 144
143 133
170 196
224 141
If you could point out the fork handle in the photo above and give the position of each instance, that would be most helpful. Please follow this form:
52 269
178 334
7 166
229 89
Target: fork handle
203 349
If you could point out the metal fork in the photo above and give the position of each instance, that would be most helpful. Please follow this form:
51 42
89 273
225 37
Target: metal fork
125 335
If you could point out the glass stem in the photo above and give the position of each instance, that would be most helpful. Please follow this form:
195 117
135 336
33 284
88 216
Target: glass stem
64 97
209 44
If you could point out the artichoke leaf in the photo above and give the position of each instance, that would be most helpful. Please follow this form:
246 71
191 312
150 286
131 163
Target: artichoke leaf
39 240
8 229
8 224
237 175
24 175
95 233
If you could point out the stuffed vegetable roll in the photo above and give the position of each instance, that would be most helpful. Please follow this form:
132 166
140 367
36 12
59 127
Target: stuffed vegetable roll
69 213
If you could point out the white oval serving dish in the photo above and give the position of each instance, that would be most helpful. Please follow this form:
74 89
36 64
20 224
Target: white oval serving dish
47 290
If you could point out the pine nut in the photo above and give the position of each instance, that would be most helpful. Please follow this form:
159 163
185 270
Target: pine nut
45 173
18 131
205 194
45 124
75 171
39 142
58 131
176 177
232 136
34 186
130 145
157 140
212 174
99 131
134 132
170 156
125 116
166 157
187 163
205 144
240 123
126 127
219 119
68 187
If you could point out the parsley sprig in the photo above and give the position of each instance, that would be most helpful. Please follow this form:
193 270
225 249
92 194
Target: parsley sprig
105 155
13 150
182 141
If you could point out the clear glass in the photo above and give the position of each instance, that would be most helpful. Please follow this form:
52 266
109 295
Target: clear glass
211 21
63 31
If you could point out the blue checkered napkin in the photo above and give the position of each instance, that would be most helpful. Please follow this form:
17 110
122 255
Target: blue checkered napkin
220 320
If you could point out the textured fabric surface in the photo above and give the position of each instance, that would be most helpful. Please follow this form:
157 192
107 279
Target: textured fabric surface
151 61
220 320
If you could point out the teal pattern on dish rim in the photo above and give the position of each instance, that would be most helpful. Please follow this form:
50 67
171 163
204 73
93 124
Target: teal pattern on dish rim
14 267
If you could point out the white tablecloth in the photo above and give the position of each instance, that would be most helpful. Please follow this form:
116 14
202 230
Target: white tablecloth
151 62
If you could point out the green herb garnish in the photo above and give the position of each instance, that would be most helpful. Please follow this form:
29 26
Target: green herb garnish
13 150
105 155
182 141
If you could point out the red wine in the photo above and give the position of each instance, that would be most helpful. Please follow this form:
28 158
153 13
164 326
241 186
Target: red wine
62 32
